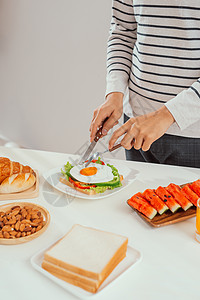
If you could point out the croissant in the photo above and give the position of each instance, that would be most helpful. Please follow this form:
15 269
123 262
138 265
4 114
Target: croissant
8 168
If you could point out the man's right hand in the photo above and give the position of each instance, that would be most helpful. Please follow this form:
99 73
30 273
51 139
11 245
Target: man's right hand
112 109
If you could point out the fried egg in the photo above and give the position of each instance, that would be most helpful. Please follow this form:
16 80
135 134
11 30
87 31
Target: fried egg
94 173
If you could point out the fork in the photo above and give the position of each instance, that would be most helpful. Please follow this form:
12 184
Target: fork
97 154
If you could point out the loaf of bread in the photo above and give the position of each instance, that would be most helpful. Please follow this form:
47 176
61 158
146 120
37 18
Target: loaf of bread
8 168
17 183
85 256
14 177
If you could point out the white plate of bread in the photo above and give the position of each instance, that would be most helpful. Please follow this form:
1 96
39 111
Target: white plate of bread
17 181
86 261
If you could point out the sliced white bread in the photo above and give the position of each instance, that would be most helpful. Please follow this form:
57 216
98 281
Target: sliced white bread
81 281
50 267
77 283
88 252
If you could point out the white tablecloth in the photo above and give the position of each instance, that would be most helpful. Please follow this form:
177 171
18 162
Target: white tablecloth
170 267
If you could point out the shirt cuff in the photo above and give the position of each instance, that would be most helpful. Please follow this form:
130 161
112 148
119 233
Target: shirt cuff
182 108
116 83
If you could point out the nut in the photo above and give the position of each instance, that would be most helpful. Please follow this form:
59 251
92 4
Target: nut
39 227
18 234
13 232
17 225
12 221
6 228
15 212
33 230
15 207
6 235
22 226
27 228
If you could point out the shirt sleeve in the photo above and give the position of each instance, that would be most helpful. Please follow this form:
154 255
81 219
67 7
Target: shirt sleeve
185 107
120 46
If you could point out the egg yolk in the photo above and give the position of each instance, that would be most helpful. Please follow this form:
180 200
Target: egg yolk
88 171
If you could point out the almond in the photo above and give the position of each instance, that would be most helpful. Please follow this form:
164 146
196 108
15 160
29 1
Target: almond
18 234
6 235
6 228
15 207
28 216
13 232
22 226
34 224
23 234
24 214
33 230
26 207
39 227
17 225
9 216
15 212
25 221
27 228
12 221
35 216
5 220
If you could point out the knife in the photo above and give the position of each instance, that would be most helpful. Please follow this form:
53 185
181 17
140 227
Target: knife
91 147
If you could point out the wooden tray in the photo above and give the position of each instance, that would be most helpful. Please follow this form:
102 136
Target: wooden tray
168 217
46 217
33 192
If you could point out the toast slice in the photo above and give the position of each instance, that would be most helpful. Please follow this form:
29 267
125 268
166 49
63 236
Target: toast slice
85 191
90 285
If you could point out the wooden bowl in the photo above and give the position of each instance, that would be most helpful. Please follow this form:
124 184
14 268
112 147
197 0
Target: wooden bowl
46 218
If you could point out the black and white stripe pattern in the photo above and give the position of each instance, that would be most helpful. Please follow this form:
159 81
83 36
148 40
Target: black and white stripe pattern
154 50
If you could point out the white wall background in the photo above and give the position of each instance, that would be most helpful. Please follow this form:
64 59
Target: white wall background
52 70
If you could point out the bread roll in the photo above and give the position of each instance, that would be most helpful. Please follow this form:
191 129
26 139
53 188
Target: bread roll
17 183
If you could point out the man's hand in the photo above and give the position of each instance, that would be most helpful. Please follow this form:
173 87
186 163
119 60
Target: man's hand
142 131
111 109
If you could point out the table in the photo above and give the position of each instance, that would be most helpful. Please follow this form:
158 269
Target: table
170 266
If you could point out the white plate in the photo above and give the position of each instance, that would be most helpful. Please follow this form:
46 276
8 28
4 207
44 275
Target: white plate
53 176
132 257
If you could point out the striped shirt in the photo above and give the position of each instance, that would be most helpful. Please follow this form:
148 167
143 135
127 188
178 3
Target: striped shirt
154 59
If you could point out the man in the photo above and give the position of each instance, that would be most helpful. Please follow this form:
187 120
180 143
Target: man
154 53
